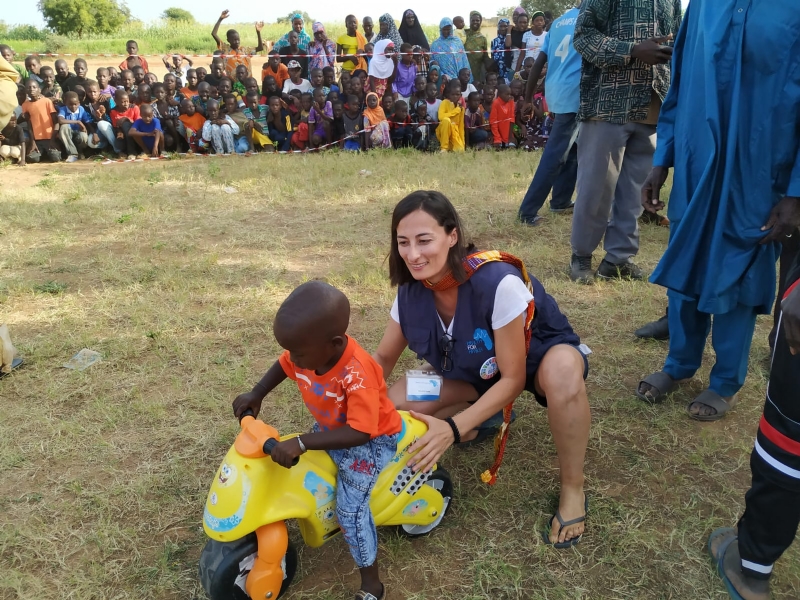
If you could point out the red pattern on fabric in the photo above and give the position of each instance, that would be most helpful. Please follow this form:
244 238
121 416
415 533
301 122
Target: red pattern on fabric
776 437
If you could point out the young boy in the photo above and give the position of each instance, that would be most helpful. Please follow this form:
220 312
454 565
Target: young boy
405 74
79 79
123 116
419 95
217 71
231 109
466 87
12 142
337 124
49 88
239 85
359 430
257 128
192 124
431 91
317 80
353 124
329 79
218 130
319 119
175 66
167 114
190 90
281 127
502 117
7 53
100 111
33 66
473 123
275 68
200 100
77 129
41 115
458 29
128 82
138 75
62 72
424 136
104 81
133 59
270 90
400 125
147 133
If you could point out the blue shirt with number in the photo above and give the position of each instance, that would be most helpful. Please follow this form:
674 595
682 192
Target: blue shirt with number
562 89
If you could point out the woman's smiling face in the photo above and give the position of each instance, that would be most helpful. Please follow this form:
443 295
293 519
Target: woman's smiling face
424 245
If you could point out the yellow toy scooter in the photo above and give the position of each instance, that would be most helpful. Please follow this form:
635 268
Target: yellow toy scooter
249 554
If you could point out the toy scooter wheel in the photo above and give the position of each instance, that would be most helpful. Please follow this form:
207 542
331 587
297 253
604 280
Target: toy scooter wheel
224 567
441 482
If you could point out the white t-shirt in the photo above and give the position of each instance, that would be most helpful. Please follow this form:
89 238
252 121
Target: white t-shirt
470 88
433 109
533 44
304 86
510 301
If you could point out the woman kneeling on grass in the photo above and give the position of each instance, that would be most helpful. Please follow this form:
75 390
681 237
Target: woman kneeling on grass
470 315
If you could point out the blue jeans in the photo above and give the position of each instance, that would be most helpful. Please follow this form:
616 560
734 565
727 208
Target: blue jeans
479 136
242 145
557 170
359 468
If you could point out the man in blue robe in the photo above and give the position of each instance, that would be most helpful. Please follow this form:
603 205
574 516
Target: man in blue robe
730 128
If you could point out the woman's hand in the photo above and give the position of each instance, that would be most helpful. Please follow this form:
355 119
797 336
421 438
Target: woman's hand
429 448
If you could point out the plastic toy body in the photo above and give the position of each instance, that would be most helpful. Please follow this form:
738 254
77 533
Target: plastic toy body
252 494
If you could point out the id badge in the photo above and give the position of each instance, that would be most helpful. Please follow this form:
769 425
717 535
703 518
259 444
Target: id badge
423 386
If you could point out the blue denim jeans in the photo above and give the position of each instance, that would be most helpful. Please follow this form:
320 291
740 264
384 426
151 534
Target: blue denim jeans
557 170
359 468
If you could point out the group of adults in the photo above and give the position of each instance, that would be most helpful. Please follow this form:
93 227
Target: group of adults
460 45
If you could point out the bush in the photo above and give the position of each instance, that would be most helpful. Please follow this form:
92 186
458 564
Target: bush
83 16
24 32
177 14
54 43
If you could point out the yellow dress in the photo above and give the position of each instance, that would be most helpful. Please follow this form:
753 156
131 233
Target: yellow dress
451 127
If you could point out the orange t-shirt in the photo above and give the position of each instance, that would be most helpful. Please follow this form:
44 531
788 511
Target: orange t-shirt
195 122
352 393
501 118
187 93
41 113
281 76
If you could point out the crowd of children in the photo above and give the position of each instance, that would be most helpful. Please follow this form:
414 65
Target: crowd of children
393 97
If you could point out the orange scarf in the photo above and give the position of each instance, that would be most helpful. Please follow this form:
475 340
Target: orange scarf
362 41
374 115
472 263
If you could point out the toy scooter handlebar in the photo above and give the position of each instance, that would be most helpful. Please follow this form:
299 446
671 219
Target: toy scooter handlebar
270 444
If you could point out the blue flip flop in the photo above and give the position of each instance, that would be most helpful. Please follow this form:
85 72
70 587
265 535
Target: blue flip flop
570 542
719 558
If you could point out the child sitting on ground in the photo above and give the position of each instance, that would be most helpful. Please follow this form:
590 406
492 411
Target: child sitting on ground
280 125
257 127
77 129
329 79
450 131
100 111
400 125
473 123
270 89
424 136
434 102
319 119
192 125
375 124
33 65
361 428
12 142
295 81
239 85
103 81
146 132
218 130
62 72
123 116
502 118
167 114
200 100
337 124
41 115
231 107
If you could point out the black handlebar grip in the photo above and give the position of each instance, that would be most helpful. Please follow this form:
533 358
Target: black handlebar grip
270 444
248 413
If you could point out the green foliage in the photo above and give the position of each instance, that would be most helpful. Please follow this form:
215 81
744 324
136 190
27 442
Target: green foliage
288 17
177 14
557 7
54 43
83 16
21 32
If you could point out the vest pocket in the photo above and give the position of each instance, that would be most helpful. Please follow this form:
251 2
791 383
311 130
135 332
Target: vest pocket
419 341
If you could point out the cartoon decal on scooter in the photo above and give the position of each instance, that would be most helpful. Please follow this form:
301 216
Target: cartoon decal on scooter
249 554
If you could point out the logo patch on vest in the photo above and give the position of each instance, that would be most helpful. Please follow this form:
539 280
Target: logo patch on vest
481 342
489 368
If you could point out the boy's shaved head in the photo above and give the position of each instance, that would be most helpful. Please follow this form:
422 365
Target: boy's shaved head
313 310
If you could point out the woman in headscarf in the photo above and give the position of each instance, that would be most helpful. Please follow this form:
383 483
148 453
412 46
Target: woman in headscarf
411 30
388 31
498 50
298 26
448 51
477 45
382 67
322 51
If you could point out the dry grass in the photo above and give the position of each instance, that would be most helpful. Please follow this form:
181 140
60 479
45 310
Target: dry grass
175 282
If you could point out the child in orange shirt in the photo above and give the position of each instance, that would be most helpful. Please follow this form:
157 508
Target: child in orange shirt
193 123
356 422
275 68
190 91
41 115
502 117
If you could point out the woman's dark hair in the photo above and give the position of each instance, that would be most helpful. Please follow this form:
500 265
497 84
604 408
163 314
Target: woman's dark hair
439 207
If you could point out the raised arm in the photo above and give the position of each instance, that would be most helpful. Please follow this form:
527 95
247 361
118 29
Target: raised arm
259 27
222 17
